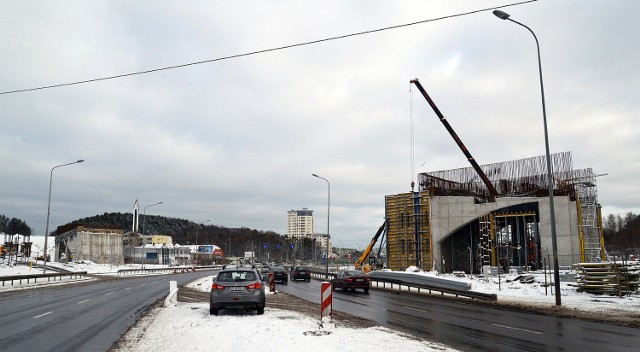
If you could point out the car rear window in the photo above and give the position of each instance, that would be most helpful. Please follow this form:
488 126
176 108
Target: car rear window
230 276
302 268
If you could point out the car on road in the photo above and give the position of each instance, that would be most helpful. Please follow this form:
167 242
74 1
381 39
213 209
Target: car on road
350 280
300 273
279 274
237 288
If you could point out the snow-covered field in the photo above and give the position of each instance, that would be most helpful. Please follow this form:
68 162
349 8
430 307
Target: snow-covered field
189 324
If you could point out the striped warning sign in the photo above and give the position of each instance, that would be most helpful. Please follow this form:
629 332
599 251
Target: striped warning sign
326 296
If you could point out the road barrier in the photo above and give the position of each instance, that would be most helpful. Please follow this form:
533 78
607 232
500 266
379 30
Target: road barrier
326 300
168 270
172 298
29 278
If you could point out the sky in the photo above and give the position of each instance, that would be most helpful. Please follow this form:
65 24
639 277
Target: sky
236 139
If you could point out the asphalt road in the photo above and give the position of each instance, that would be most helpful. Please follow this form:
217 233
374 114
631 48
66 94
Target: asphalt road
88 316
470 327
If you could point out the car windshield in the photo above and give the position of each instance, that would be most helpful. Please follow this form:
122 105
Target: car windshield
230 276
353 273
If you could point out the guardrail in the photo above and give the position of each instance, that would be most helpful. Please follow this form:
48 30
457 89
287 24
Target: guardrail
397 284
168 270
430 289
28 278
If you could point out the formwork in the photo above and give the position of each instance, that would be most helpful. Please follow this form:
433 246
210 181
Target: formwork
409 231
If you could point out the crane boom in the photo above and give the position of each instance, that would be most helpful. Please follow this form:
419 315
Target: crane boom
483 176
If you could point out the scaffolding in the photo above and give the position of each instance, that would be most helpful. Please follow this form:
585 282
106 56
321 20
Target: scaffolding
409 231
590 224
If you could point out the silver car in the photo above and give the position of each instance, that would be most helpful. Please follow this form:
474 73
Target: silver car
237 288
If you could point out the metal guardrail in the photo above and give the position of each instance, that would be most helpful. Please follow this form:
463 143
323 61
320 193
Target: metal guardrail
430 289
168 270
28 278
409 283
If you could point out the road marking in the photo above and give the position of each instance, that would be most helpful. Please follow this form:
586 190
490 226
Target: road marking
416 309
86 300
109 293
42 315
127 288
512 328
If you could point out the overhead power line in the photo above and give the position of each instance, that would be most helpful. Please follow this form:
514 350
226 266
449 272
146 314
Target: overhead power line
166 68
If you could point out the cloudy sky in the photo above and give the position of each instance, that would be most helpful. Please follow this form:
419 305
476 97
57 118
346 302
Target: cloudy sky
235 141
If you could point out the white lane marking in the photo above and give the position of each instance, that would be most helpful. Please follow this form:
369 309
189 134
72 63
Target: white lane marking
127 288
42 315
513 328
86 300
416 309
108 293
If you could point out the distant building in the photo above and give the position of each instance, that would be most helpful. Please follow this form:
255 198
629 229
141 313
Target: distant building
99 244
324 241
299 223
156 239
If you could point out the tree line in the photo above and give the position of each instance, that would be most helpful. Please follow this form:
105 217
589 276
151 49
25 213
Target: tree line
621 233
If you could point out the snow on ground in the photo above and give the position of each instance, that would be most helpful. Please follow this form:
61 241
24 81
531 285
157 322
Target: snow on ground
189 324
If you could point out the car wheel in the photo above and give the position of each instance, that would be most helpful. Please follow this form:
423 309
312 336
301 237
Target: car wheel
366 290
308 280
213 311
260 310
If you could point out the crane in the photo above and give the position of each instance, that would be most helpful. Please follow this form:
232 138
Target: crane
492 190
361 263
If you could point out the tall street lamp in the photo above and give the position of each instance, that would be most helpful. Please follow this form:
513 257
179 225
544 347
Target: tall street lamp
554 243
328 209
197 229
46 231
144 215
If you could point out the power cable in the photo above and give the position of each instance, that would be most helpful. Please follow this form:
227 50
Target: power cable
235 56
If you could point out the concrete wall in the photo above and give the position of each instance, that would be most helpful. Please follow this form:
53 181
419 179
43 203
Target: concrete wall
101 248
449 213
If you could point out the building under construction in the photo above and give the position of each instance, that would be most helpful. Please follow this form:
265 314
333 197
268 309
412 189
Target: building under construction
462 220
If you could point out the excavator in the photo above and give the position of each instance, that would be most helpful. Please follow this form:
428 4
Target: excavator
362 263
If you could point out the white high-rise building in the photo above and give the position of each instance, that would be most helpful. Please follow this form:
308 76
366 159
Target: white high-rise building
299 223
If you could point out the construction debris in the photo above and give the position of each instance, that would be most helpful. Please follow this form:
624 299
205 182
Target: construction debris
613 278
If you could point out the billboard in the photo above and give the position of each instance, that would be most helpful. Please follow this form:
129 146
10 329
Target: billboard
206 249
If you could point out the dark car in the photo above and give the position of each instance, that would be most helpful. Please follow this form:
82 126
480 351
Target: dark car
300 273
237 288
279 274
351 279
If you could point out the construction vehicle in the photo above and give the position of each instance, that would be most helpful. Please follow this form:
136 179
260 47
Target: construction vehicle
368 265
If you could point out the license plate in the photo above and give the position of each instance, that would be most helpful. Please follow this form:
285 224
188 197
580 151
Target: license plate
236 288
359 280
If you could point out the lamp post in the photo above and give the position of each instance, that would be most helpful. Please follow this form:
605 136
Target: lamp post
144 220
144 215
46 231
328 209
198 228
554 244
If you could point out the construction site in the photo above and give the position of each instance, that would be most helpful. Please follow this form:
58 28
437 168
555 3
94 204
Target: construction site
495 215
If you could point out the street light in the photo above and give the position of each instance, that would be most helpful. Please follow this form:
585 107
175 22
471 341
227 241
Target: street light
46 231
554 243
197 229
144 215
328 208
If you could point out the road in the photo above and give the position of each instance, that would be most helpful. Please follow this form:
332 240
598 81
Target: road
470 327
87 316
